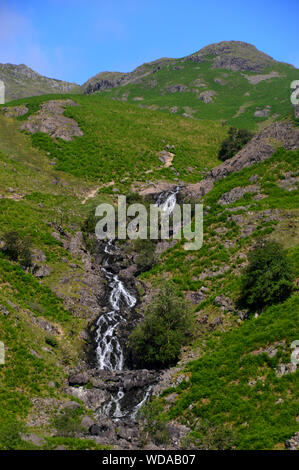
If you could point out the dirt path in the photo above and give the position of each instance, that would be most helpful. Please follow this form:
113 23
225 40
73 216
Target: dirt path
90 195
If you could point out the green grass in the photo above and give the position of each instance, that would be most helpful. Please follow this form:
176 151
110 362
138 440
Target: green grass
219 392
121 142
217 402
230 104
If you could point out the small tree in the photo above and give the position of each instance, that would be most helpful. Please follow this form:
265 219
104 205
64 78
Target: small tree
157 341
236 139
268 277
146 254
17 248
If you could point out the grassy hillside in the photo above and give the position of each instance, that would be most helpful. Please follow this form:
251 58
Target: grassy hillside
41 336
121 143
230 393
243 81
231 396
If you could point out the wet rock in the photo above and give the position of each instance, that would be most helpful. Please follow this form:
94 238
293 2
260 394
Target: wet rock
104 429
87 422
92 398
81 378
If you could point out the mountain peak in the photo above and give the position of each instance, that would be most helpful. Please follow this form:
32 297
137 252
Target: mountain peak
233 55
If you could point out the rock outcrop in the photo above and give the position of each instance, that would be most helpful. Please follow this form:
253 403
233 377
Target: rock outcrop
51 120
262 146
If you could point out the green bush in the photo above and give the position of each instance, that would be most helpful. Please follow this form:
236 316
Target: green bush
268 277
67 422
51 341
236 139
157 341
17 248
10 434
146 254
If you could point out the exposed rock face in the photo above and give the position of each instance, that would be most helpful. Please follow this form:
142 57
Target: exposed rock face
225 303
207 96
233 55
21 81
197 190
262 112
154 189
260 147
237 193
50 120
284 369
79 378
166 158
176 88
15 111
255 79
106 80
293 443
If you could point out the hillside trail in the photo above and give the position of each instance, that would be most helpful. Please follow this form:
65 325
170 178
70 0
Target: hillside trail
90 195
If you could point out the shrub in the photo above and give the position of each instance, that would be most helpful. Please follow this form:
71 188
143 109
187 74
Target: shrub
236 139
10 434
152 424
268 277
212 437
67 422
51 341
158 339
146 254
17 248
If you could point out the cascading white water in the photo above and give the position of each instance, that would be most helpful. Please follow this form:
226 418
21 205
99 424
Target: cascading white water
167 205
109 352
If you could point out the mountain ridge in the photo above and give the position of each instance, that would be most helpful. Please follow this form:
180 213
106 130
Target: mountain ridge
22 81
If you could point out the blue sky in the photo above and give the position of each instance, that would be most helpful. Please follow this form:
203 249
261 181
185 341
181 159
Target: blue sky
73 40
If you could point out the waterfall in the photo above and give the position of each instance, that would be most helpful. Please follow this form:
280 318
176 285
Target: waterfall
109 352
